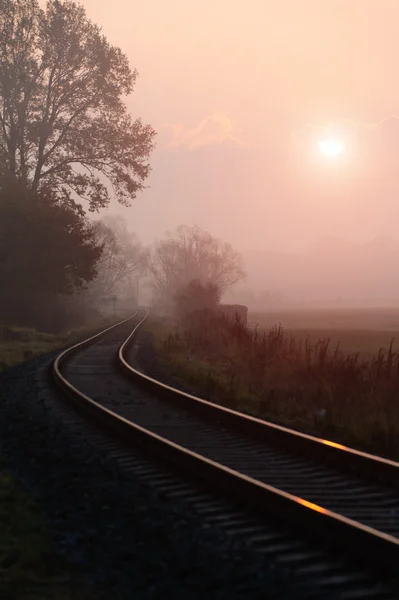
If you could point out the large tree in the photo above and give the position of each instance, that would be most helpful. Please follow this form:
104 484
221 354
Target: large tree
47 248
191 254
63 122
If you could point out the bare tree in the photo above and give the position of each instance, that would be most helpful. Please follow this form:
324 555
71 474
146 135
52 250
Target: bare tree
122 263
63 124
192 254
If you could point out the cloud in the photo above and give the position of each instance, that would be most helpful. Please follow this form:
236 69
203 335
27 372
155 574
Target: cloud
214 129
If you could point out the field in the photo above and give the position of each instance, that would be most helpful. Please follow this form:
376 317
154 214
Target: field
331 373
362 331
18 344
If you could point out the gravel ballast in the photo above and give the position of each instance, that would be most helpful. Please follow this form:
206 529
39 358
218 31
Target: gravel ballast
123 537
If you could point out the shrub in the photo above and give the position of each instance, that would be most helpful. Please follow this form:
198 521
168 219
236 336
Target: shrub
316 387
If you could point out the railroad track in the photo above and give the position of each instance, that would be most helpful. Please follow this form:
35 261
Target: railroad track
346 499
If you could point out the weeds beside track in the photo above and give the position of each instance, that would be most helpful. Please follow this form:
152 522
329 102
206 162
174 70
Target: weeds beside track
210 446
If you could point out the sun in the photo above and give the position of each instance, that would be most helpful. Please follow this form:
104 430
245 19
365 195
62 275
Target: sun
331 147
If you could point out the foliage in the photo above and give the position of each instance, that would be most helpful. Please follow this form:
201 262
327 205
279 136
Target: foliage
192 254
47 248
63 124
195 299
306 385
18 344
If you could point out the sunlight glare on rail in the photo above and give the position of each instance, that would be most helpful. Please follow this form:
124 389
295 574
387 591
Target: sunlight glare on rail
334 444
315 507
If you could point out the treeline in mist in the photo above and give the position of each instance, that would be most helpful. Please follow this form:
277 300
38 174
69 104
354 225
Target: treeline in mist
58 267
67 146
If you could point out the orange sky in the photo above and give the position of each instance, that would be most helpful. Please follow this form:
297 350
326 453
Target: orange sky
239 91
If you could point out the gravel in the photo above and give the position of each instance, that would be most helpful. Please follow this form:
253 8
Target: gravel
122 537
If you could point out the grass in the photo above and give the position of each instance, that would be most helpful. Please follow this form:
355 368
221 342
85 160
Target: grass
18 344
304 381
356 330
28 569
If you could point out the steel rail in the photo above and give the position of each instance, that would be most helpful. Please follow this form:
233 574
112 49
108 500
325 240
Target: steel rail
342 532
341 456
72 349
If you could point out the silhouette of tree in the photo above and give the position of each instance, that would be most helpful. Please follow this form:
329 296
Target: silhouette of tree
47 248
192 254
63 124
197 297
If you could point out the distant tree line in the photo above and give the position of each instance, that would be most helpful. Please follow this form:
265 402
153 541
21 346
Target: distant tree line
191 270
66 142
67 145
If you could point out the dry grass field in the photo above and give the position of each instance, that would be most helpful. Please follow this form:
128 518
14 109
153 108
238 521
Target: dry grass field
18 344
331 373
355 330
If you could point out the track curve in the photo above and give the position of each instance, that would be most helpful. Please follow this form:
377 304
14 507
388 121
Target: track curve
238 452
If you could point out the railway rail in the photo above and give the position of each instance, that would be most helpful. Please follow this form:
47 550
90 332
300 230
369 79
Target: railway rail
346 499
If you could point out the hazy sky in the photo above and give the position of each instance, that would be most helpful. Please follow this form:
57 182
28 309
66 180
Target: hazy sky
241 92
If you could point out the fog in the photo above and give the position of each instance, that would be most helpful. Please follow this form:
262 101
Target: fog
334 273
239 100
